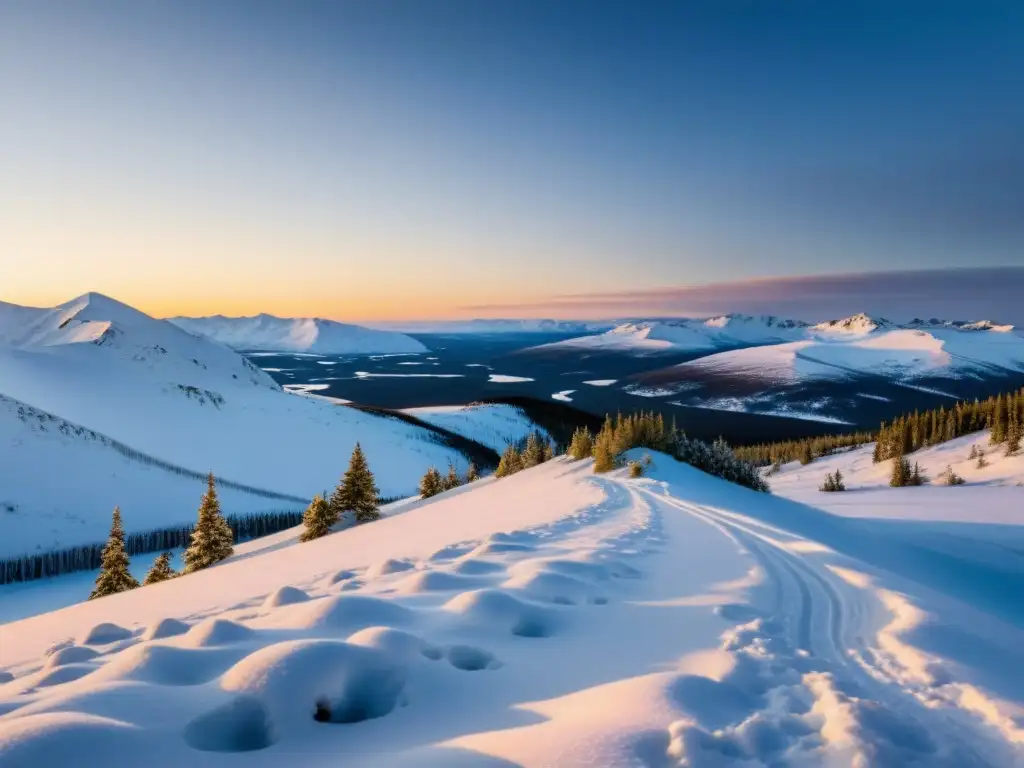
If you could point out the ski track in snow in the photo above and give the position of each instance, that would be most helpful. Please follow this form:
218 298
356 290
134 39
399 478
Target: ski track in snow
510 649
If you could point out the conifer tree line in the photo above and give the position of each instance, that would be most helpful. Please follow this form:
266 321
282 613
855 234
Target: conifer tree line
1003 414
648 430
89 557
536 450
356 493
433 482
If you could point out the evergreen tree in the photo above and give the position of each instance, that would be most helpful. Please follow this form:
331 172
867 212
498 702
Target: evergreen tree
317 519
160 571
806 457
999 421
452 480
982 461
548 451
212 539
901 472
876 454
949 477
582 445
510 463
533 453
604 451
636 469
1014 429
974 452
358 492
916 476
431 483
472 474
114 575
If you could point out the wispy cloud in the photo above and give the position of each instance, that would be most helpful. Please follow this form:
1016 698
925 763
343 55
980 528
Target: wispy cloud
995 293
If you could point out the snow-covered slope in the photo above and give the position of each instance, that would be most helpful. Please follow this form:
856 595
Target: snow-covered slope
550 618
688 335
59 482
305 334
193 403
494 425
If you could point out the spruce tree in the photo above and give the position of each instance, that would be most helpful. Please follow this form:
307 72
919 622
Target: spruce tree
212 539
604 452
160 571
114 575
452 480
472 474
999 421
548 451
358 492
582 445
806 457
317 519
533 453
430 483
982 461
901 472
511 462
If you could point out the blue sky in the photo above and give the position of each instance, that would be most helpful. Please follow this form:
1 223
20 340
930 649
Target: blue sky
374 160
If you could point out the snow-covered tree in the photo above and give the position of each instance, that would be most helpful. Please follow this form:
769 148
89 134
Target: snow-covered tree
114 573
317 519
212 539
160 570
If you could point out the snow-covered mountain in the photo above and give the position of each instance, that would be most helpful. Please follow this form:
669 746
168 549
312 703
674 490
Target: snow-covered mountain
824 373
679 335
560 618
103 366
303 334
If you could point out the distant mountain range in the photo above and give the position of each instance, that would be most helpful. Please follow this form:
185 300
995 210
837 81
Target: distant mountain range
303 334
829 371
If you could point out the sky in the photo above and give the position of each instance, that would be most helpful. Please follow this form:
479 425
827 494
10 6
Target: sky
393 160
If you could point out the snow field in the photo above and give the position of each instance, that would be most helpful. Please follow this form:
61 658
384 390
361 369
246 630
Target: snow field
493 425
550 618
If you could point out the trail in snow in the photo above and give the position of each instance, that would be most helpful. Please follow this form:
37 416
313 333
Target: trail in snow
824 621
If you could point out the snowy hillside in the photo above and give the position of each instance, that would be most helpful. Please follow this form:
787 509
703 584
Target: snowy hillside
306 334
550 618
494 425
59 482
186 401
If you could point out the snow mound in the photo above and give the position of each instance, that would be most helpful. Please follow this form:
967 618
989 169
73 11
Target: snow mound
387 567
72 654
434 581
474 566
51 738
285 596
104 634
343 575
165 628
326 680
168 665
350 613
217 631
497 609
305 334
396 643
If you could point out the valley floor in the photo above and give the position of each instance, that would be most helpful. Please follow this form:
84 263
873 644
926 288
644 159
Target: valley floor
551 618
